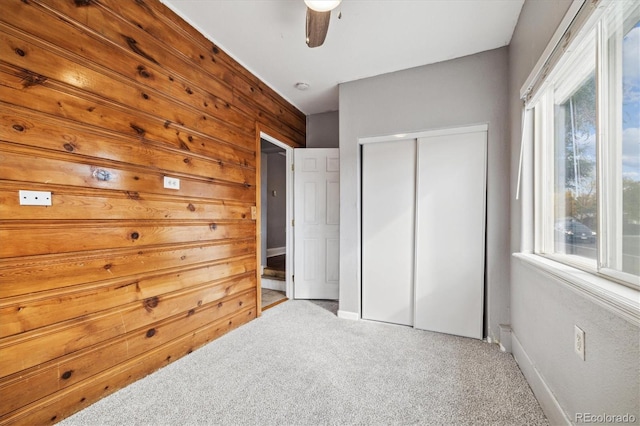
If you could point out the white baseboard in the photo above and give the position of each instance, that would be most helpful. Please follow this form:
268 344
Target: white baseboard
276 251
348 315
547 400
273 284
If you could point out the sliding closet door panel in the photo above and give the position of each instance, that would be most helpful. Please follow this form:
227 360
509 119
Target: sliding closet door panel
388 200
450 233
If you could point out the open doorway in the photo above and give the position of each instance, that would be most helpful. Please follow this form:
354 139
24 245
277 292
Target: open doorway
276 254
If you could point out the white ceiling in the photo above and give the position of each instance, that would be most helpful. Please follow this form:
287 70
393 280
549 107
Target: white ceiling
372 37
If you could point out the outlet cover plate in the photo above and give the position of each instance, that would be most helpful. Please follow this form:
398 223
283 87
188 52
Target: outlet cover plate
171 183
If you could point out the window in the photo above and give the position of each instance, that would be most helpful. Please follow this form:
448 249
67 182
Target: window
587 144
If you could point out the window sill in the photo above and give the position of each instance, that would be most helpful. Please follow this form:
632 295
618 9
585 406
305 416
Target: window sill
619 299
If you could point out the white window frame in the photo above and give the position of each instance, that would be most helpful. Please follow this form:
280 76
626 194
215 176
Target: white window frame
570 74
603 287
609 63
608 169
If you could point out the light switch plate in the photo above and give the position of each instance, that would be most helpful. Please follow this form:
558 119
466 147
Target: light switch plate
34 198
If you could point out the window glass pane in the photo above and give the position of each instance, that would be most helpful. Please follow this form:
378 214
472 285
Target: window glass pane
575 201
631 150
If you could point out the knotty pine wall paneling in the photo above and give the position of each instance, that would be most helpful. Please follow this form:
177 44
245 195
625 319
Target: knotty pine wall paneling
100 100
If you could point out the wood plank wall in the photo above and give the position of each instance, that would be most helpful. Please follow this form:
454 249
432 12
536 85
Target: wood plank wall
100 99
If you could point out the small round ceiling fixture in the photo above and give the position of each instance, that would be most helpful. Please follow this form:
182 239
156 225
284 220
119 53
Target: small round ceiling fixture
322 5
301 86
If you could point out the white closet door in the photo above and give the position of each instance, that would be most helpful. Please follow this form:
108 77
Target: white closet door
388 199
450 233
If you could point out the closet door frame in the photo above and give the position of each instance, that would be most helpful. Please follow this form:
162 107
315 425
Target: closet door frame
402 136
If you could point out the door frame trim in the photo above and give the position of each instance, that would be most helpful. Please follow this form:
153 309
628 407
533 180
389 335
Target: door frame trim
425 133
274 137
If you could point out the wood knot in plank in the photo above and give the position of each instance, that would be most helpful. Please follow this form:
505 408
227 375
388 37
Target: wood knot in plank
18 127
30 78
151 332
143 72
135 235
19 51
213 226
68 147
83 3
191 207
191 312
139 130
133 45
133 195
151 303
67 374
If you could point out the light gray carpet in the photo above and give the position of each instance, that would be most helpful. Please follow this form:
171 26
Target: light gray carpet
299 364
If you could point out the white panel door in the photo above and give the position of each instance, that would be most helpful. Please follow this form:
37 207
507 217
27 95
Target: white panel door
316 223
450 233
388 199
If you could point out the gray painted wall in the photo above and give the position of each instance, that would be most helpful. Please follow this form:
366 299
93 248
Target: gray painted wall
323 130
277 205
544 310
469 90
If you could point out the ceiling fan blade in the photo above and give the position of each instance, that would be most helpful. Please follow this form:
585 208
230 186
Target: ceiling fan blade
317 26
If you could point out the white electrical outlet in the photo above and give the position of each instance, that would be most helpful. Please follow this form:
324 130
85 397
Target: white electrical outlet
578 341
171 183
35 198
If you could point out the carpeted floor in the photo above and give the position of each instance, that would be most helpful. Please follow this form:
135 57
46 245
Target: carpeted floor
299 364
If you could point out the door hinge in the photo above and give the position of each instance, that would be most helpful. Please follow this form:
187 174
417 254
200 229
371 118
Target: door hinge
293 168
293 222
293 278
